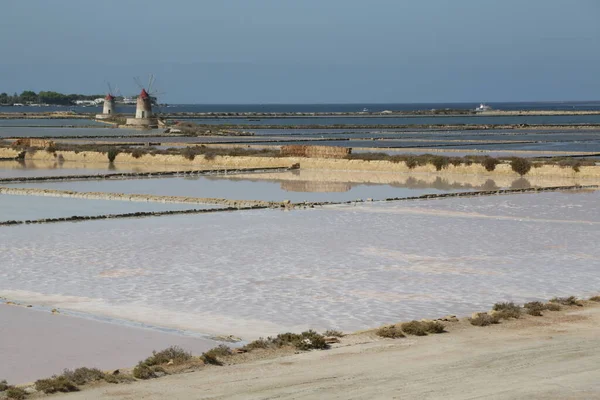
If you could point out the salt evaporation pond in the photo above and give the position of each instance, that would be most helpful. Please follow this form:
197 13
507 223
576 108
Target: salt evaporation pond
238 189
23 207
255 273
40 122
30 169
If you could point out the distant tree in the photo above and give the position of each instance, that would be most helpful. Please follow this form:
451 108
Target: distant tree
4 99
29 96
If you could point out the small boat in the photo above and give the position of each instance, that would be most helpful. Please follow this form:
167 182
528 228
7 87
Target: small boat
365 110
483 107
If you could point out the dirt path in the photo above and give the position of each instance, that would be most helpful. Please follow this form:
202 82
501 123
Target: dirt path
553 357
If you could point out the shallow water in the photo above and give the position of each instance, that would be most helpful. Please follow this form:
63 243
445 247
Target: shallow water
49 122
8 132
19 208
27 169
474 119
246 188
253 273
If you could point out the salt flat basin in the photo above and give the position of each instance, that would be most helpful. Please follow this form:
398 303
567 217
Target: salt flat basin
260 272
247 188
19 208
42 122
30 168
72 342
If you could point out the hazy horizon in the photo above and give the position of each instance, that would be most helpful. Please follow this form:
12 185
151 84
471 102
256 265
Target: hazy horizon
309 52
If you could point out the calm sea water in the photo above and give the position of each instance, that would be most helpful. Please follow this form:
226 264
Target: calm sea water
172 108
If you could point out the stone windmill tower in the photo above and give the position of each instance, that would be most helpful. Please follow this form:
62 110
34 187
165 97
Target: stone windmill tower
108 110
144 118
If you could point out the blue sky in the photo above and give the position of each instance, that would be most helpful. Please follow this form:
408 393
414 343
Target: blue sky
307 51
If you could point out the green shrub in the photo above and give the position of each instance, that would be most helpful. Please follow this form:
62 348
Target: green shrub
112 155
440 162
143 371
507 310
333 332
3 385
415 328
567 301
520 165
188 153
456 161
391 332
137 153
411 162
484 319
15 393
56 384
489 163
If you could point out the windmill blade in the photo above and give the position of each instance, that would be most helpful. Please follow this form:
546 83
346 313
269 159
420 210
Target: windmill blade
150 82
137 82
117 92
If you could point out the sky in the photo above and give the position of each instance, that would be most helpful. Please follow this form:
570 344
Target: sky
306 51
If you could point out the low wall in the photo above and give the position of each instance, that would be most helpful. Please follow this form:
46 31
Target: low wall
241 162
315 151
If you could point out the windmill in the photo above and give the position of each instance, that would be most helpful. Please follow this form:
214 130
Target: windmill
109 103
143 110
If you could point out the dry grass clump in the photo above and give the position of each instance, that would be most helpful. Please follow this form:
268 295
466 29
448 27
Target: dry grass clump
56 384
422 328
142 371
391 332
15 393
595 298
212 355
415 328
333 332
82 376
567 301
484 319
536 308
151 366
309 340
173 353
507 310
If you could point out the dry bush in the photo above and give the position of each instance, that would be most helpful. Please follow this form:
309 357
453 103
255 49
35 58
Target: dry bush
595 298
507 310
3 385
489 163
552 307
484 319
566 301
434 327
333 332
536 308
56 384
415 328
212 355
520 165
82 376
142 371
15 393
391 332
174 353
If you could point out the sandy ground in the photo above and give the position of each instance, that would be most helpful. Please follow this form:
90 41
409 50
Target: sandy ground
553 357
36 344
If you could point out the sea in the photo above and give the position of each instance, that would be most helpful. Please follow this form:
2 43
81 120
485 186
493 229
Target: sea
309 108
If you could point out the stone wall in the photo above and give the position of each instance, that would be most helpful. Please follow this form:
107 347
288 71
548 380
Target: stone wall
307 163
315 151
32 142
